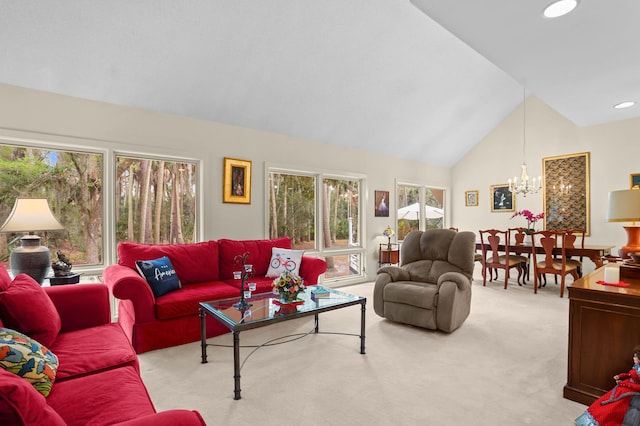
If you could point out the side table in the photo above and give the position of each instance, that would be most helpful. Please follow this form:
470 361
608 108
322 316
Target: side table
389 254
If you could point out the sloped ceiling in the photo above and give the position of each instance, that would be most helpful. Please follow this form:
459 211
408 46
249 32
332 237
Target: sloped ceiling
425 80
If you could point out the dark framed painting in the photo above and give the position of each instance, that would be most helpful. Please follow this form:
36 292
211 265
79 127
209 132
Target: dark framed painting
236 181
502 200
471 198
635 181
382 203
566 192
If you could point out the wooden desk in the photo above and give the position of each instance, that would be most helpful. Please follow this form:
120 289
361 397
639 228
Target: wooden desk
604 327
595 253
389 256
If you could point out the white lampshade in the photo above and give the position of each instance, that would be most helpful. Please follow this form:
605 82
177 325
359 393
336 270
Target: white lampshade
30 215
624 206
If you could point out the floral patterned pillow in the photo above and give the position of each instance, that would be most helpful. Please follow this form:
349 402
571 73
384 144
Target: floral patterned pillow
23 356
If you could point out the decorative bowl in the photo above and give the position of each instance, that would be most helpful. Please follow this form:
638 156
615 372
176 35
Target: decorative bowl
635 257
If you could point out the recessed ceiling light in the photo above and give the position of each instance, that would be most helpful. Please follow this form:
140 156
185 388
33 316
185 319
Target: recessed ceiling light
626 104
560 8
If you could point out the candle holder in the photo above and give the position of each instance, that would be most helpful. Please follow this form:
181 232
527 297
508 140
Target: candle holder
245 273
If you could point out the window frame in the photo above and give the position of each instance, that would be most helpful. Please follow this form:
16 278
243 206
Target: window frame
422 200
319 249
78 145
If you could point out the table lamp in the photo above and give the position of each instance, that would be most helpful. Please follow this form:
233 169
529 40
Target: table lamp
388 233
624 206
30 215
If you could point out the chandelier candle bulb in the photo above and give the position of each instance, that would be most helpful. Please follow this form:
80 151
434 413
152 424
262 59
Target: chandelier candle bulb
611 275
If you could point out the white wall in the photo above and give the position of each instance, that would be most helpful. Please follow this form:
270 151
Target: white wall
614 151
53 118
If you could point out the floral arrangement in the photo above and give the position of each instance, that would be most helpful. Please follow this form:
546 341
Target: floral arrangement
288 285
531 219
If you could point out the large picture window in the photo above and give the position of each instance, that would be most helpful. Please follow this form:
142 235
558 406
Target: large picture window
419 208
155 200
320 213
72 182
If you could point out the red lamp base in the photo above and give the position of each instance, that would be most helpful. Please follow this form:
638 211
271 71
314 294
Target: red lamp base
633 242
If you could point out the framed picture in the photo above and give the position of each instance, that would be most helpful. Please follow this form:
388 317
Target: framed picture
502 200
566 192
471 198
237 181
382 203
635 181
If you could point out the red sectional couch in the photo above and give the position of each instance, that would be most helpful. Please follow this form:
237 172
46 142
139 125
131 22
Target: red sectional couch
97 381
205 271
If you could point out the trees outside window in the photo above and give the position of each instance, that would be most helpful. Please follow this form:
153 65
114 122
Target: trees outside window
155 200
320 213
419 207
72 182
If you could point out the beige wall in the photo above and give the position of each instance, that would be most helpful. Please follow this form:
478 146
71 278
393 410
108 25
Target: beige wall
614 151
47 117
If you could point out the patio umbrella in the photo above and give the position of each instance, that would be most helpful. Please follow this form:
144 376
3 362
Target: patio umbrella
412 212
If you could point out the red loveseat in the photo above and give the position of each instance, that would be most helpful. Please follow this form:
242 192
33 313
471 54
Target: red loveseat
97 381
205 271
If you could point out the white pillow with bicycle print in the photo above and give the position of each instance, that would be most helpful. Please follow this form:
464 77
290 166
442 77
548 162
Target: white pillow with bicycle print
284 260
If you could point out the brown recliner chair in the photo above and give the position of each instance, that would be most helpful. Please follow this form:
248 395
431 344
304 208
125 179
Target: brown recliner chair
432 286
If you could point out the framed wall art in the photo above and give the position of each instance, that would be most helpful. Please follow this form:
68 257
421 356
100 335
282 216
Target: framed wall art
237 181
502 200
382 203
566 192
635 181
471 198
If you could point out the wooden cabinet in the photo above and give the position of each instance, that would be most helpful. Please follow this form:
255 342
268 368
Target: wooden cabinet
604 327
389 254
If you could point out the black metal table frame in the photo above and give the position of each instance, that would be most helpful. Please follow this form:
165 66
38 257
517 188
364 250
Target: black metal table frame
237 328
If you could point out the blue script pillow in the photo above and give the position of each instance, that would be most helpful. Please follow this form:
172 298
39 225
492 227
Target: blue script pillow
160 275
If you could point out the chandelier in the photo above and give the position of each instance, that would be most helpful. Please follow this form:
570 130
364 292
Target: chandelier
525 185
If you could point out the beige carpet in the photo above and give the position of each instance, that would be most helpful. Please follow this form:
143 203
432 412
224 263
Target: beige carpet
506 365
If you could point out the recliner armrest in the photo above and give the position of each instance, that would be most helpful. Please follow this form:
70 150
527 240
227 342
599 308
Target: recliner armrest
457 277
396 273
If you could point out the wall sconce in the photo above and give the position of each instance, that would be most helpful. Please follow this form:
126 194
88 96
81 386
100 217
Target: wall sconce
624 206
31 215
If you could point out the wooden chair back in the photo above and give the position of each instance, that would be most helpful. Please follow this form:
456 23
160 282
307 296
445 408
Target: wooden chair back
549 241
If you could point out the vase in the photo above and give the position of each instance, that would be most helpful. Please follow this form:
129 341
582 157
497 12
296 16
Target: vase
288 297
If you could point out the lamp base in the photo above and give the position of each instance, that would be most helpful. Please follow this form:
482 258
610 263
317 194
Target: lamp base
31 258
633 242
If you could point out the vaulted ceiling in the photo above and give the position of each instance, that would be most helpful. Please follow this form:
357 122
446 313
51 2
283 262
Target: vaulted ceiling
420 79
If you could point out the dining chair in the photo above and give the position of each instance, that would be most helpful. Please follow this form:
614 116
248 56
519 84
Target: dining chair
548 241
519 240
575 238
492 260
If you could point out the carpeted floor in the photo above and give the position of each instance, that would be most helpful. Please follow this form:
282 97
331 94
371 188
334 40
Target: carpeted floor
506 365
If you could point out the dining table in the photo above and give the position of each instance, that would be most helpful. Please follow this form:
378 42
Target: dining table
594 252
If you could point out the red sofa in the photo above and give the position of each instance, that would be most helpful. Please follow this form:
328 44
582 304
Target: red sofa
205 271
97 381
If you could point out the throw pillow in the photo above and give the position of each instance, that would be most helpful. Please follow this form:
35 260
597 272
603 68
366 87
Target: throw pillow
160 275
26 307
28 359
284 260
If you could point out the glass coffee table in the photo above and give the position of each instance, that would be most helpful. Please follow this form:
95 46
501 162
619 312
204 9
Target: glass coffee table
265 309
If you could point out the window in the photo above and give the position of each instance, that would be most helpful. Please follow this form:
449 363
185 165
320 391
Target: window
320 213
155 200
72 181
419 207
